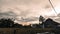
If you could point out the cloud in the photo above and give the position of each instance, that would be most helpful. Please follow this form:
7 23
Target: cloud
28 19
7 15
34 7
27 8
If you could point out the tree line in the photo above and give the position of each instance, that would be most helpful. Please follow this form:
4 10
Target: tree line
9 23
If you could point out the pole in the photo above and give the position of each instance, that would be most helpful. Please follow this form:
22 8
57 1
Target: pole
52 6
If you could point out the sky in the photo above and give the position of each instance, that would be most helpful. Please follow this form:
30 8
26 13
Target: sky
28 11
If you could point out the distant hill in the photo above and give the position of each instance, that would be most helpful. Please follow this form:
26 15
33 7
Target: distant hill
50 23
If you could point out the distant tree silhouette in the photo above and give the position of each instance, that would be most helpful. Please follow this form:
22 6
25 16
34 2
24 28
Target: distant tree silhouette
36 25
9 23
41 19
27 26
16 25
6 23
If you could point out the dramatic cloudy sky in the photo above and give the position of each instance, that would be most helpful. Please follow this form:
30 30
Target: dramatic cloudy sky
29 10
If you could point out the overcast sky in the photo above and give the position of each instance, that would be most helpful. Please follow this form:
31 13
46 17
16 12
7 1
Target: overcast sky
28 8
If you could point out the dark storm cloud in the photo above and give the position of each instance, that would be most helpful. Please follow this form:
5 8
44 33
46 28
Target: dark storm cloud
7 14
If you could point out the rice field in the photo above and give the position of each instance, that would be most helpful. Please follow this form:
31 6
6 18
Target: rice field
26 30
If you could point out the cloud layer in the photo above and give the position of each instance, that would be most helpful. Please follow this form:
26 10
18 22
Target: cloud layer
28 8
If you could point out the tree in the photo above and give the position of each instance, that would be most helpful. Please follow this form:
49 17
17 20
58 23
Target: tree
16 25
41 19
6 22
